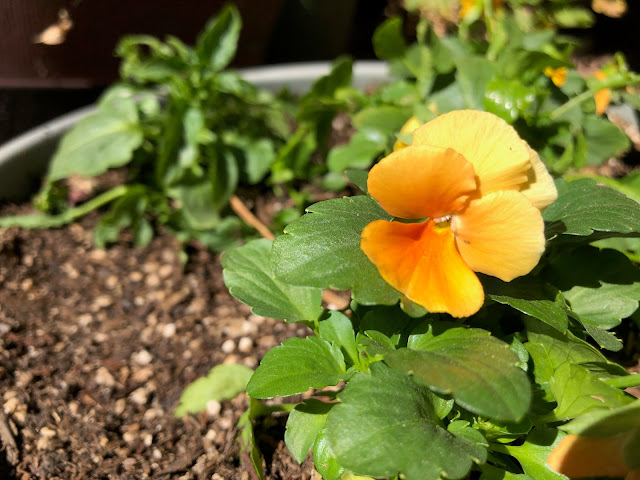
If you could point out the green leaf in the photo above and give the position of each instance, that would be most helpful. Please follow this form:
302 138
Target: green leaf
508 99
360 152
400 92
390 321
533 453
578 392
337 328
145 59
602 286
583 208
101 141
259 156
461 429
327 86
304 425
296 366
386 119
604 140
531 297
628 185
572 17
358 178
324 460
448 98
473 74
549 349
224 173
384 412
493 473
322 249
479 371
605 339
606 423
388 40
216 46
248 275
223 382
195 204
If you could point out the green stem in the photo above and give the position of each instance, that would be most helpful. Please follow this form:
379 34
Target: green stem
578 99
68 216
627 381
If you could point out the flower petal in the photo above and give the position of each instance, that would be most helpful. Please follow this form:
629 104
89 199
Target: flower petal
498 155
501 235
577 456
539 189
420 260
419 182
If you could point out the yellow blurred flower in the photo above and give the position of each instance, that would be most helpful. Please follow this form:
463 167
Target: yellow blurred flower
481 188
466 6
557 75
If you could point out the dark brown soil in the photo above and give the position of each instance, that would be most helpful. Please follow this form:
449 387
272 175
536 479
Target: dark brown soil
96 347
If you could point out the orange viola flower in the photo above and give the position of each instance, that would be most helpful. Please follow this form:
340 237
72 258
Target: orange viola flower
602 97
480 188
557 75
578 456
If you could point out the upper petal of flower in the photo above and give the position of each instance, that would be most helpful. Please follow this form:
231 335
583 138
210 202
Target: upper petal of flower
420 260
539 188
424 181
498 155
500 234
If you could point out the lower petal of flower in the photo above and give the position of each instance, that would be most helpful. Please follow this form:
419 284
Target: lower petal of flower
577 456
420 260
501 235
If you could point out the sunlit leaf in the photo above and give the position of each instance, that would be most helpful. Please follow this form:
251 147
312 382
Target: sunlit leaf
322 249
296 366
479 371
583 207
385 411
247 274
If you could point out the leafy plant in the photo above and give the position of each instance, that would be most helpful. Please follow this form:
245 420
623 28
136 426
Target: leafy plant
190 133
488 392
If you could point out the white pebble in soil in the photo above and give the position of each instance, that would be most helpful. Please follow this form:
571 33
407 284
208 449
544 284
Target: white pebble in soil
143 357
169 330
228 346
245 344
213 408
